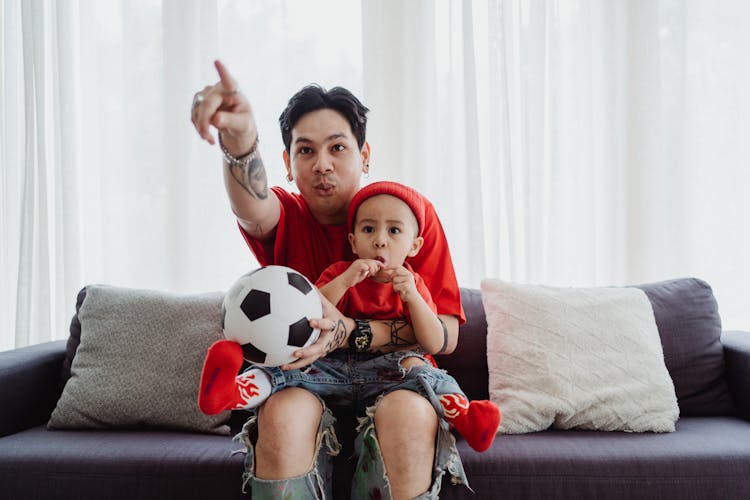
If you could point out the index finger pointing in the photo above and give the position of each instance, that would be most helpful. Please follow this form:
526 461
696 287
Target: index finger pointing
227 80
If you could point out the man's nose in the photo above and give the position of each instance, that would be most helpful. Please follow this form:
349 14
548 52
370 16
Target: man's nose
324 164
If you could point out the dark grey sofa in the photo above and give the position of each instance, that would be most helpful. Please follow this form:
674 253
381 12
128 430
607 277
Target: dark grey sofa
708 457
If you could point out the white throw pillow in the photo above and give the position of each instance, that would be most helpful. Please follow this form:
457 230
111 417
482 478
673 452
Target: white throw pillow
576 358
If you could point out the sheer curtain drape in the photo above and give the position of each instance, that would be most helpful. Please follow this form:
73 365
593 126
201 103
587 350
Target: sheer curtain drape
572 143
563 142
103 179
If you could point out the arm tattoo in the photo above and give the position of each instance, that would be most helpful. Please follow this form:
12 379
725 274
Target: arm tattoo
338 337
397 342
396 327
445 336
252 177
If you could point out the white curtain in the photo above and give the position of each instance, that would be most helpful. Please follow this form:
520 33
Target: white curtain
572 142
563 142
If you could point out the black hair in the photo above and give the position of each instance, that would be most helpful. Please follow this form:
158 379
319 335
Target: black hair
314 97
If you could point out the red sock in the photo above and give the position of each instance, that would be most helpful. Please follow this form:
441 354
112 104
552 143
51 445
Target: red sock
218 387
477 421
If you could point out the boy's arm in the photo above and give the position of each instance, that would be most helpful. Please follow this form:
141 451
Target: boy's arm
334 289
434 334
428 330
358 270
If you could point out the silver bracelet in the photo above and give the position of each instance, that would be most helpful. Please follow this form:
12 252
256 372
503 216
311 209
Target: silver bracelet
242 162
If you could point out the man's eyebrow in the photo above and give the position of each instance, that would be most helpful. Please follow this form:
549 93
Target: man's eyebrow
332 137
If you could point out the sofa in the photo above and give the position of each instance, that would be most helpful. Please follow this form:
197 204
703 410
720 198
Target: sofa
706 457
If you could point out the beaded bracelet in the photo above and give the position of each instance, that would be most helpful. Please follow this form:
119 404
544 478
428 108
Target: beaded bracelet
237 162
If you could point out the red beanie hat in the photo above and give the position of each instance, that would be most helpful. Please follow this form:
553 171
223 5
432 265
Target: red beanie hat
406 194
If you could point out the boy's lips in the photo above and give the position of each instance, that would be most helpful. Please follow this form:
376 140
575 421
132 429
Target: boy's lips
380 259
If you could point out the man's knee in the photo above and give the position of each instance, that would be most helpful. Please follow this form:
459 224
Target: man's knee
407 417
288 424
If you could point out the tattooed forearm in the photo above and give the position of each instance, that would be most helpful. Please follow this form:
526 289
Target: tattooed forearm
251 177
445 336
338 337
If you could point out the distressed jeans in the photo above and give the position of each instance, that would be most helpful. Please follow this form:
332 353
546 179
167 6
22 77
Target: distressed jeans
344 378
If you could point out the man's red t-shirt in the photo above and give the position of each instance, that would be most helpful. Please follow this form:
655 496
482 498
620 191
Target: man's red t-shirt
370 299
306 245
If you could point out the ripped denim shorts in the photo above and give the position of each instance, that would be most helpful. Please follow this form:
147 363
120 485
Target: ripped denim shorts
352 379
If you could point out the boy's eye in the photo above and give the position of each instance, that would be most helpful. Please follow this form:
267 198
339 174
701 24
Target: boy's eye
367 229
395 230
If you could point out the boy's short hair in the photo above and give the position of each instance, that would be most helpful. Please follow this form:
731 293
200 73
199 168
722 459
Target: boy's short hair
314 97
411 197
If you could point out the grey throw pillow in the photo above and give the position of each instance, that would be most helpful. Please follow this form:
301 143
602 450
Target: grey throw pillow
138 361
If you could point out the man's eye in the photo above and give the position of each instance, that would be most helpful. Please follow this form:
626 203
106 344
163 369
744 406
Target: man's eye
305 151
338 147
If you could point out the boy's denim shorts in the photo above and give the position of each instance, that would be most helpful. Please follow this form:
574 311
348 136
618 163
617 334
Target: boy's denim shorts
352 379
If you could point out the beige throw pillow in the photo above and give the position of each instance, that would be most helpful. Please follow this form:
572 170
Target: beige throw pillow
576 358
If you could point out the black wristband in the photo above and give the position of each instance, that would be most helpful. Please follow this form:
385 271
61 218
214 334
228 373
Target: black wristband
361 338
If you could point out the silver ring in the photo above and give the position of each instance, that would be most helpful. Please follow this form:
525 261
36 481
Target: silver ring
197 100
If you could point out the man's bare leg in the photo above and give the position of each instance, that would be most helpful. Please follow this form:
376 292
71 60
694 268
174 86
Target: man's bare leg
287 428
406 425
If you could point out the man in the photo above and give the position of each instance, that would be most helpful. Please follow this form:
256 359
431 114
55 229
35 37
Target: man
325 155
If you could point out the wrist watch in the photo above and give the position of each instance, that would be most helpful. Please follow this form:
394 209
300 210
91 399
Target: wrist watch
361 338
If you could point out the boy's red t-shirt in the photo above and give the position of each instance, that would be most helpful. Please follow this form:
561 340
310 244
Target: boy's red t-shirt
370 299
306 245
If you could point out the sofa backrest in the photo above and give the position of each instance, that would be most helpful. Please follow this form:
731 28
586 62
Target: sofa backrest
468 362
687 317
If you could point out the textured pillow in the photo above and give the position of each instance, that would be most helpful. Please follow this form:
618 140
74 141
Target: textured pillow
138 361
576 358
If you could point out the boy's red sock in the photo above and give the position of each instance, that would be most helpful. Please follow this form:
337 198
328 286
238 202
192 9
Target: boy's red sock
222 389
476 421
217 388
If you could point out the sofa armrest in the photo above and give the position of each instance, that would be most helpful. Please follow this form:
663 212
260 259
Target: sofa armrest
737 360
29 385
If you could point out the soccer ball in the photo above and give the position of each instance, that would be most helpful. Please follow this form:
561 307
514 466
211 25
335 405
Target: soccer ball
267 310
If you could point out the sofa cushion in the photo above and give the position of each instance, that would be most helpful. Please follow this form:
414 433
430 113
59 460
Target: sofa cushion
576 358
119 464
707 457
690 329
138 361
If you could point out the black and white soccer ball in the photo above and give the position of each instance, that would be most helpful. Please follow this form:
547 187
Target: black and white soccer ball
267 311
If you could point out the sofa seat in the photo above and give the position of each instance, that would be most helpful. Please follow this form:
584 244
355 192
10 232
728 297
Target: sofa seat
102 464
706 457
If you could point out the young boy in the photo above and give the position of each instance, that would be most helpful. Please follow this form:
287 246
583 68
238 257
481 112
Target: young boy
385 221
